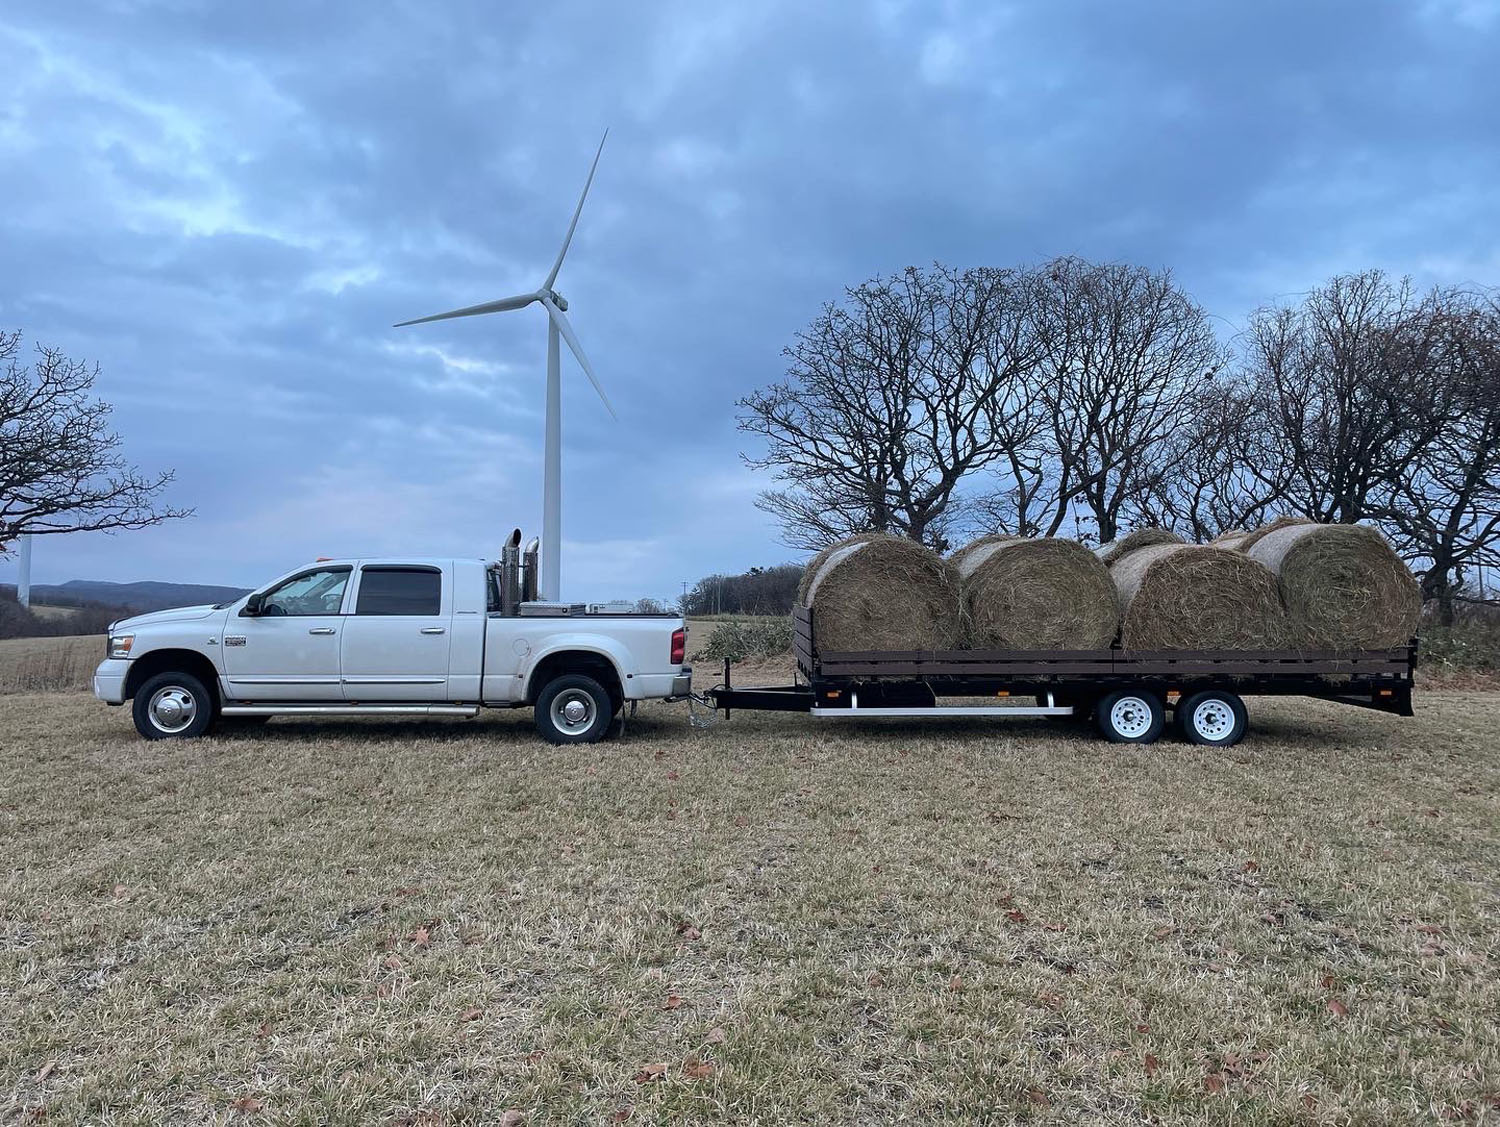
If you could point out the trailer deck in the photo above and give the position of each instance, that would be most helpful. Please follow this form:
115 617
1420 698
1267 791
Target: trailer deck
897 683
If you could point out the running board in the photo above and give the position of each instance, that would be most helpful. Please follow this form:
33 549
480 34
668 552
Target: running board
991 710
465 710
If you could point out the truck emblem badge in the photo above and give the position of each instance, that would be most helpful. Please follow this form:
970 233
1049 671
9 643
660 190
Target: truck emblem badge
234 639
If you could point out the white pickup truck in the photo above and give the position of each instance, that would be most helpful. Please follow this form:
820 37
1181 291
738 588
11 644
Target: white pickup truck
381 637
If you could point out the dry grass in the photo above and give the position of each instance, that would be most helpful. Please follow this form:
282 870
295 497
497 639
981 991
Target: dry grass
49 664
414 922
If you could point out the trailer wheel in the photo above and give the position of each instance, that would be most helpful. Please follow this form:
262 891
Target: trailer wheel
1213 717
573 709
1131 717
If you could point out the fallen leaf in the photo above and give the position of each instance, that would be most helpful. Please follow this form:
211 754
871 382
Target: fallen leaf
1328 981
1050 1000
1430 929
45 1071
1143 1028
741 821
716 1035
247 1104
535 1056
1251 867
1163 931
1310 1101
673 775
474 1013
263 1030
420 938
1054 927
391 962
1016 916
1038 1097
118 891
956 983
1151 1064
622 1115
695 1069
650 1072
673 1002
511 1117
1337 1008
876 979
1214 1082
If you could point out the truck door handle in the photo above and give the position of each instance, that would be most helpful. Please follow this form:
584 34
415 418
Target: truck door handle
433 630
321 630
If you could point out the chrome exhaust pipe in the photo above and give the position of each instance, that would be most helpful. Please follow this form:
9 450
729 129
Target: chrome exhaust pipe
530 579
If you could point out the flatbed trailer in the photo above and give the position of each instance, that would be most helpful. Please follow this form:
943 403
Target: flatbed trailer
1127 692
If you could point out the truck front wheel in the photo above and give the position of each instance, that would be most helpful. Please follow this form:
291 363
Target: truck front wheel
172 706
573 709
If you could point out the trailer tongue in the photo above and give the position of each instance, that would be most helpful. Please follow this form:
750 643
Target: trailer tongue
1127 692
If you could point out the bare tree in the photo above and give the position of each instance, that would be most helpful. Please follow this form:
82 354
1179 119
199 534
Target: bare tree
1354 390
1218 469
1122 353
1444 511
890 400
60 467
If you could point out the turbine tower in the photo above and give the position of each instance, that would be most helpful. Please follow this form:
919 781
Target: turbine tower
549 585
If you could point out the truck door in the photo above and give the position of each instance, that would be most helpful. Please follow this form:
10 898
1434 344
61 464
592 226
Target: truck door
396 641
290 651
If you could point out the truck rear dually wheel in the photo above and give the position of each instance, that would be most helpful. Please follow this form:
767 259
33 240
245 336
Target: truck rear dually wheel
172 706
573 709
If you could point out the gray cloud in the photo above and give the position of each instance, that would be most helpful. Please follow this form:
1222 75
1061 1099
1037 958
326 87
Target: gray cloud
227 206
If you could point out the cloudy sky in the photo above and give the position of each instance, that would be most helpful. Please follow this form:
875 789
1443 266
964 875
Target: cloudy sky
227 206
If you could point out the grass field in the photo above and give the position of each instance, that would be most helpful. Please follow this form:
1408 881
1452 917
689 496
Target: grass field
763 921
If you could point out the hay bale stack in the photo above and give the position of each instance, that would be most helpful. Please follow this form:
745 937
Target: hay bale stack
1230 539
821 558
1343 586
1250 539
879 592
1140 538
1045 594
1197 597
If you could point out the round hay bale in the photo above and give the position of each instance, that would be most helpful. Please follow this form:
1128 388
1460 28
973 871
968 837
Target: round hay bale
1046 594
1231 539
886 593
1197 597
1140 538
957 557
821 558
1251 538
1343 586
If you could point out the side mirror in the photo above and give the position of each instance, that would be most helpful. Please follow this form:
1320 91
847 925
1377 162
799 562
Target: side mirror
252 605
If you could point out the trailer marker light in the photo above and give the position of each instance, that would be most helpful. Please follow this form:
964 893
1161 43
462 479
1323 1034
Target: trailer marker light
1173 696
833 695
1003 693
1386 692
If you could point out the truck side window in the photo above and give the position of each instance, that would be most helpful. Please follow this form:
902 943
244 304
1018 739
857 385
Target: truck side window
311 593
400 590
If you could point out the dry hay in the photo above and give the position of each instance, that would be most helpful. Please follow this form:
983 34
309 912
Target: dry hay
880 592
1045 594
1140 538
1250 539
960 554
821 558
1343 586
1198 597
1230 538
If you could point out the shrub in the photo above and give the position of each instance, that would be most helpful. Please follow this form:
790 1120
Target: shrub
739 641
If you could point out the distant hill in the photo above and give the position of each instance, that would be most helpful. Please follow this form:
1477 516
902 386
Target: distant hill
138 597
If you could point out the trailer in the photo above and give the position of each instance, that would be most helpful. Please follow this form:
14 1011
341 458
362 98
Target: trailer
1127 693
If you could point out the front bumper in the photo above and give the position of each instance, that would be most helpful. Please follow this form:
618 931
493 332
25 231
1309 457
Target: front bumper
109 680
660 686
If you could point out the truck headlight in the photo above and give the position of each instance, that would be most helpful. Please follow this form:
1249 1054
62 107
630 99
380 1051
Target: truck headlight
119 645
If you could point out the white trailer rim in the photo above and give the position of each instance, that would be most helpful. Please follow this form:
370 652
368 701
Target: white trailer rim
1131 717
1213 720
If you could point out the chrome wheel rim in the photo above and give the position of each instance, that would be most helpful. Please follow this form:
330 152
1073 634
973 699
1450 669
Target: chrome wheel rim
1130 717
172 709
573 711
1213 720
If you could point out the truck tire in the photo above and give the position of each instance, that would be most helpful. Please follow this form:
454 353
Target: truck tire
1134 716
573 709
172 706
1213 717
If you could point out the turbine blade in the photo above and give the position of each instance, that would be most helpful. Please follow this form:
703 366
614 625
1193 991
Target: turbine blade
561 321
520 301
577 211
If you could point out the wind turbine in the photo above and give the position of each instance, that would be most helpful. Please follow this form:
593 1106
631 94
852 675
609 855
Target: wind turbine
557 326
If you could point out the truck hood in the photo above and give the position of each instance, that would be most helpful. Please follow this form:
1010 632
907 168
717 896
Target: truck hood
176 614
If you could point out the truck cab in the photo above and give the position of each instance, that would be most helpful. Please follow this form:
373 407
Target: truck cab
411 636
